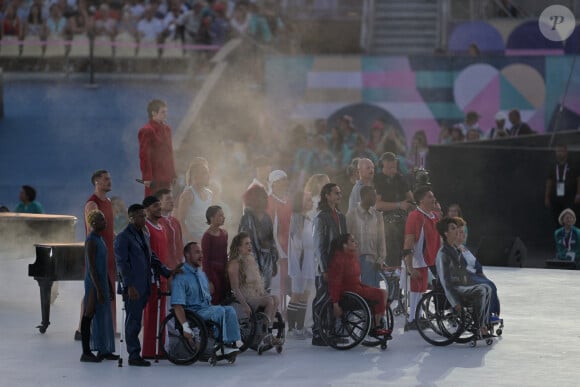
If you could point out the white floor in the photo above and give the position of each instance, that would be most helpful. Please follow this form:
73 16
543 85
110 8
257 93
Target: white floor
540 346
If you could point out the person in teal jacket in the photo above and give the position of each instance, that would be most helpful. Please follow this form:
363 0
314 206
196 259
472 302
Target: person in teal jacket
567 237
28 203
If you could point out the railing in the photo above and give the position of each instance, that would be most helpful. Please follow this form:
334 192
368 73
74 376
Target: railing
367 25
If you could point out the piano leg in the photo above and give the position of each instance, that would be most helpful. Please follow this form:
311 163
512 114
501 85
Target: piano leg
45 289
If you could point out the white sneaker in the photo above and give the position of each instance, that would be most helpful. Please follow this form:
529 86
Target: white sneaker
230 350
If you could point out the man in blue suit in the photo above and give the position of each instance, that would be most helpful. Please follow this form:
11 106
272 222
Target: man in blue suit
136 265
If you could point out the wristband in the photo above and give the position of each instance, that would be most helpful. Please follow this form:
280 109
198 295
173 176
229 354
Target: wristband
186 328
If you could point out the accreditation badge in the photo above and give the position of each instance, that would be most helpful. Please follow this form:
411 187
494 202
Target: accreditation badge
560 189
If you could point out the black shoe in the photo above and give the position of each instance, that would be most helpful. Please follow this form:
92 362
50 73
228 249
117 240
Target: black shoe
317 341
107 356
139 362
90 358
78 336
410 326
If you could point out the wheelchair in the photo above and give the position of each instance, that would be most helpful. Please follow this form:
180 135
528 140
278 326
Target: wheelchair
440 324
254 329
206 344
353 327
391 277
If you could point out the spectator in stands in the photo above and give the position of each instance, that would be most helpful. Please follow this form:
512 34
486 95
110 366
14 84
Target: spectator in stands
321 159
417 156
444 134
376 137
263 167
3 208
149 27
519 128
507 9
105 22
348 131
457 134
394 141
258 27
136 8
473 50
28 203
11 23
562 185
471 122
194 200
271 11
366 174
35 23
80 22
173 22
56 22
127 24
240 21
473 135
366 224
567 237
338 148
499 130
220 26
362 151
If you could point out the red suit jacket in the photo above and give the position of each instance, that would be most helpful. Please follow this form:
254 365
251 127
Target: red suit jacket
174 241
156 156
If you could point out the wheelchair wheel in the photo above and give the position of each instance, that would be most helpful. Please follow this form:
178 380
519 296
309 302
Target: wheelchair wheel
248 327
391 279
351 328
371 341
177 348
437 322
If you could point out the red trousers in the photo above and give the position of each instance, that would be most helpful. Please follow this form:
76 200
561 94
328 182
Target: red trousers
150 327
374 296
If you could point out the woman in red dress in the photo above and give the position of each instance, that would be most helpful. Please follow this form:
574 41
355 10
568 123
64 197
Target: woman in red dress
344 276
214 245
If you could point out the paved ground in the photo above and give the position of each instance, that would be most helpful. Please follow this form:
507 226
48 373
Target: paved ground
540 346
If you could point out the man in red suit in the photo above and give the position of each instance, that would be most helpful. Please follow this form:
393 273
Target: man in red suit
156 149
172 229
158 240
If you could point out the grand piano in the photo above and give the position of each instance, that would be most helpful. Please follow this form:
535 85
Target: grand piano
55 262
48 236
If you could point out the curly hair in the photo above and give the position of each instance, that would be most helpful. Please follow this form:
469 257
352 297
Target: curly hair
93 216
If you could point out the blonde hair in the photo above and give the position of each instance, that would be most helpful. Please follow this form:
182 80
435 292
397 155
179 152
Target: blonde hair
315 183
195 163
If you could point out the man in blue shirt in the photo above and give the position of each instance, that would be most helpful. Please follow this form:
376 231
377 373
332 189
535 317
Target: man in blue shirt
190 290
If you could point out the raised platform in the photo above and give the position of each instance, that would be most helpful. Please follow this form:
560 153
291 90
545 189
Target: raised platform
540 346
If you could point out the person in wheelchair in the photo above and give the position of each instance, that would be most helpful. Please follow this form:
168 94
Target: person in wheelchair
247 285
456 281
190 290
476 270
344 275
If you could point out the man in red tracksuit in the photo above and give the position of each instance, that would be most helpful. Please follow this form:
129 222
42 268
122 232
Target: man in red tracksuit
156 149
